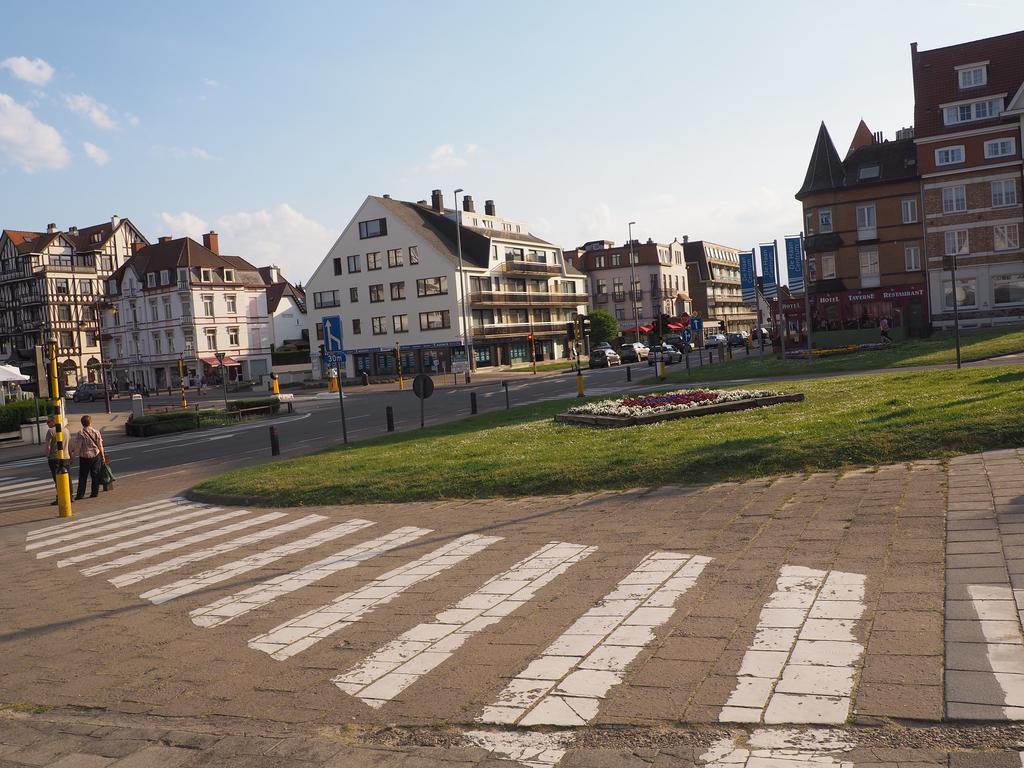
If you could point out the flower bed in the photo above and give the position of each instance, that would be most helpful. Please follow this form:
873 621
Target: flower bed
662 406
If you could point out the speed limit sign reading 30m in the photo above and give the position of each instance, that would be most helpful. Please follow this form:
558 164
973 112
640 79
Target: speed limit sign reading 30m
423 386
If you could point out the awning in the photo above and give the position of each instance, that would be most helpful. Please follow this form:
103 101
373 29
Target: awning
643 329
676 326
10 373
213 362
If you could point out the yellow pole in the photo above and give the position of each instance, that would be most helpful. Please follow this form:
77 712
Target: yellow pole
277 386
398 366
579 369
63 479
181 381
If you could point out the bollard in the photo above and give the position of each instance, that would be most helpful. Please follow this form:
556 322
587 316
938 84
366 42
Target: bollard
507 404
687 361
275 444
389 413
629 373
366 379
579 383
472 403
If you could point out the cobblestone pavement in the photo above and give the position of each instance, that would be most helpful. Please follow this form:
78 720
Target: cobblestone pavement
865 618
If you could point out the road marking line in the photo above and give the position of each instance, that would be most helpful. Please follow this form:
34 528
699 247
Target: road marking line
259 595
158 536
26 488
167 517
534 750
397 665
226 546
777 748
565 684
259 560
79 523
803 661
298 634
146 554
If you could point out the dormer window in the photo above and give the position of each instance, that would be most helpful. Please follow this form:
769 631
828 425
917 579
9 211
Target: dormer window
967 112
206 275
972 75
96 237
182 276
165 277
229 275
151 279
869 171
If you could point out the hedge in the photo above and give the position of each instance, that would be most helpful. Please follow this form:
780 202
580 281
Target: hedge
290 357
255 402
165 422
19 412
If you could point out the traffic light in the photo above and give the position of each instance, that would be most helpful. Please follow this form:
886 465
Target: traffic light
570 330
529 337
585 323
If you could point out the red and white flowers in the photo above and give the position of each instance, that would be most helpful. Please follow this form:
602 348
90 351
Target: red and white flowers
668 402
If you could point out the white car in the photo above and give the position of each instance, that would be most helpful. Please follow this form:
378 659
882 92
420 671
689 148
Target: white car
715 340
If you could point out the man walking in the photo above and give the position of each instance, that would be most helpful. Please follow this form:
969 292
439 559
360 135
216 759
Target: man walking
88 446
52 454
883 327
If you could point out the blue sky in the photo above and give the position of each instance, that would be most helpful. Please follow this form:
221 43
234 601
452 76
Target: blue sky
270 122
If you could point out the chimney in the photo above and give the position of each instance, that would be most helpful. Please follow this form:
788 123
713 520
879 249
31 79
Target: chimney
72 230
51 228
164 239
275 274
211 242
387 197
686 239
421 202
467 204
115 220
489 208
437 200
138 245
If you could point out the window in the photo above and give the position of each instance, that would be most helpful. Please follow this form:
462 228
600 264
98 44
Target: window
432 286
825 220
61 285
207 305
966 292
1006 237
975 110
337 265
616 259
183 276
1008 289
152 310
956 242
809 222
1000 148
67 339
869 268
206 275
868 171
972 75
64 313
379 325
324 299
954 199
167 308
353 294
909 207
828 266
398 291
400 323
373 228
599 262
211 337
912 257
165 277
157 344
232 337
357 326
1004 192
377 293
353 263
602 286
395 257
866 221
190 345
414 255
620 314
430 321
373 261
949 155
232 305
170 340
151 280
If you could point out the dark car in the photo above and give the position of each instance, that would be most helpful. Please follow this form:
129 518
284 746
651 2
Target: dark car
738 339
88 392
633 352
604 358
666 352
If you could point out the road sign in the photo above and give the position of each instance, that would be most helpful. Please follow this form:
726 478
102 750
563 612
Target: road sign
423 386
460 366
687 335
333 338
336 358
697 324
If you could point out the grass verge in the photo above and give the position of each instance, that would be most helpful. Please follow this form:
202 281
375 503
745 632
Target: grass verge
975 345
857 420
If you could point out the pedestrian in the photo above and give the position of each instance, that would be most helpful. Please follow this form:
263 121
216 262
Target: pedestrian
88 446
883 327
52 453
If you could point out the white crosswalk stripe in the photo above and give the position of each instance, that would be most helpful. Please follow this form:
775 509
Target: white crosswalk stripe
80 523
298 634
80 532
565 685
261 559
146 554
11 491
259 595
400 663
217 549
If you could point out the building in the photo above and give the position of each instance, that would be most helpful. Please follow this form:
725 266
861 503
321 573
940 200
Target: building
393 277
179 300
50 283
714 278
656 282
286 306
968 103
863 238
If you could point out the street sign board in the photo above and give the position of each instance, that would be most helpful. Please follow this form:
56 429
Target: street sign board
697 324
460 366
336 358
423 386
687 335
333 337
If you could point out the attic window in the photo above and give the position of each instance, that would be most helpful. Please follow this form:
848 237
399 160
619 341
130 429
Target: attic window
229 275
151 279
96 237
206 276
870 171
972 75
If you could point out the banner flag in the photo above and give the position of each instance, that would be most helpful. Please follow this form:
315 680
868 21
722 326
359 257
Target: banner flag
771 284
748 279
795 263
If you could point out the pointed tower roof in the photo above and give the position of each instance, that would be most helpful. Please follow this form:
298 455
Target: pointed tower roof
825 171
862 137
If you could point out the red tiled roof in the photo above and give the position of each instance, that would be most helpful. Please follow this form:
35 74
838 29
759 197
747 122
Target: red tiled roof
862 137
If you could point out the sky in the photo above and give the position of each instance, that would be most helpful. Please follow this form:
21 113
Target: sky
270 122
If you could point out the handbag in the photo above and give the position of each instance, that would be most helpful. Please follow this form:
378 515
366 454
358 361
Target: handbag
107 476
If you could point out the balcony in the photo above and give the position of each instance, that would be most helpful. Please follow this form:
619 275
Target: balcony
619 296
600 298
513 267
499 330
520 299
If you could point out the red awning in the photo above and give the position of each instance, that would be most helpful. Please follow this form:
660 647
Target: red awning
213 362
676 326
643 329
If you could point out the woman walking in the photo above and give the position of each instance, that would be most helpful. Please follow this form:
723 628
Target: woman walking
88 446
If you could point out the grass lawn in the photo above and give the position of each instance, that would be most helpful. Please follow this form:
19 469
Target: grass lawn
871 419
974 345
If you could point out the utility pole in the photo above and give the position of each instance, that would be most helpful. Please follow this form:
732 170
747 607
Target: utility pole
632 284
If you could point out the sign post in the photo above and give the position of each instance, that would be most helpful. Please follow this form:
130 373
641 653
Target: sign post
334 345
422 387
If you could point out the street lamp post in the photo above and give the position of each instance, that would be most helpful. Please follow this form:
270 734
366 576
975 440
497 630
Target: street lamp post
632 284
467 337
223 375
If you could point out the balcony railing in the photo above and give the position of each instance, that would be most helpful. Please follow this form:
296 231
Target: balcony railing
518 329
600 298
619 296
530 267
518 298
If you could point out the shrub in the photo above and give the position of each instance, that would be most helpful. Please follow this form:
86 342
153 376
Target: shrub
255 402
19 412
289 356
10 420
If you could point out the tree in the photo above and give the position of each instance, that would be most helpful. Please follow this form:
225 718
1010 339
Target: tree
603 326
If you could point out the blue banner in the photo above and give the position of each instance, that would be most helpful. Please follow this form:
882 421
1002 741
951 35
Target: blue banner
748 277
795 264
771 285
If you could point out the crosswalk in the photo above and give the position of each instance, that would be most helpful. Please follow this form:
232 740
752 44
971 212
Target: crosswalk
801 667
14 490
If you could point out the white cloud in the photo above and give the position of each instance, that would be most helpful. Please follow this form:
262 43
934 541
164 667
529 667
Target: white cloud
96 111
133 119
446 156
99 156
182 153
184 224
28 143
35 71
210 83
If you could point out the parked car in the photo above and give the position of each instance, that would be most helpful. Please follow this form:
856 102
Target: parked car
665 352
604 358
633 352
715 340
684 346
738 338
602 345
87 392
